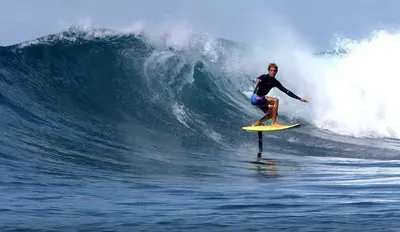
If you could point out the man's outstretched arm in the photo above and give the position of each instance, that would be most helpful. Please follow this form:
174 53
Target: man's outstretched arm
289 93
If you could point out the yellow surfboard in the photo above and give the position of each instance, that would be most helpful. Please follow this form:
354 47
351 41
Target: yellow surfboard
270 128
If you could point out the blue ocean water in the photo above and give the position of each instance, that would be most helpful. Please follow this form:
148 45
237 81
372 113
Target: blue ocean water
118 133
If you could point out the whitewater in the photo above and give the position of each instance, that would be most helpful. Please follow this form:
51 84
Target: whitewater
140 129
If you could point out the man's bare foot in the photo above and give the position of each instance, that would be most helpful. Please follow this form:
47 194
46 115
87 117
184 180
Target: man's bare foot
277 124
258 123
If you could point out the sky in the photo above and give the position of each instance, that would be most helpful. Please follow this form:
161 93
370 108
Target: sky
314 21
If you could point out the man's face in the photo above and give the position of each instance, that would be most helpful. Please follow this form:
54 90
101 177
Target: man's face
272 71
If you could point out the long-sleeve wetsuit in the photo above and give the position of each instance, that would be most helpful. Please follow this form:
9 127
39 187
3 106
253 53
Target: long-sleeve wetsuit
267 83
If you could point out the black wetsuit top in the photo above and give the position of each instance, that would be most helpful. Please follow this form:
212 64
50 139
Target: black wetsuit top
267 83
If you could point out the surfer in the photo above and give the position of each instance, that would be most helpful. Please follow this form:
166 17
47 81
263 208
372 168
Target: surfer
268 104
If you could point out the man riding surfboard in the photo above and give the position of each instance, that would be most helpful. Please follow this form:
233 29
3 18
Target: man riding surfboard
269 105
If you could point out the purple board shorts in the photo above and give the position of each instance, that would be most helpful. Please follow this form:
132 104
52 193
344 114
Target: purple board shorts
261 102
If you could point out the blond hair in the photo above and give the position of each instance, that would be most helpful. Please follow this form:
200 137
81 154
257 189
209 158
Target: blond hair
272 65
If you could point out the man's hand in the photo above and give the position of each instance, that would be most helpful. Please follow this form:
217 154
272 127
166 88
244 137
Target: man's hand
304 100
257 80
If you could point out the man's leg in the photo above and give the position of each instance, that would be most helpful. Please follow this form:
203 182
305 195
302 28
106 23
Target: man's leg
263 119
262 103
266 117
275 103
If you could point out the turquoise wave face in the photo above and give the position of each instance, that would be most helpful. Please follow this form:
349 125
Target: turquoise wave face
74 81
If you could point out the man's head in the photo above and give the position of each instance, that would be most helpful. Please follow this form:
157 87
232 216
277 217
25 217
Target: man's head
272 69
